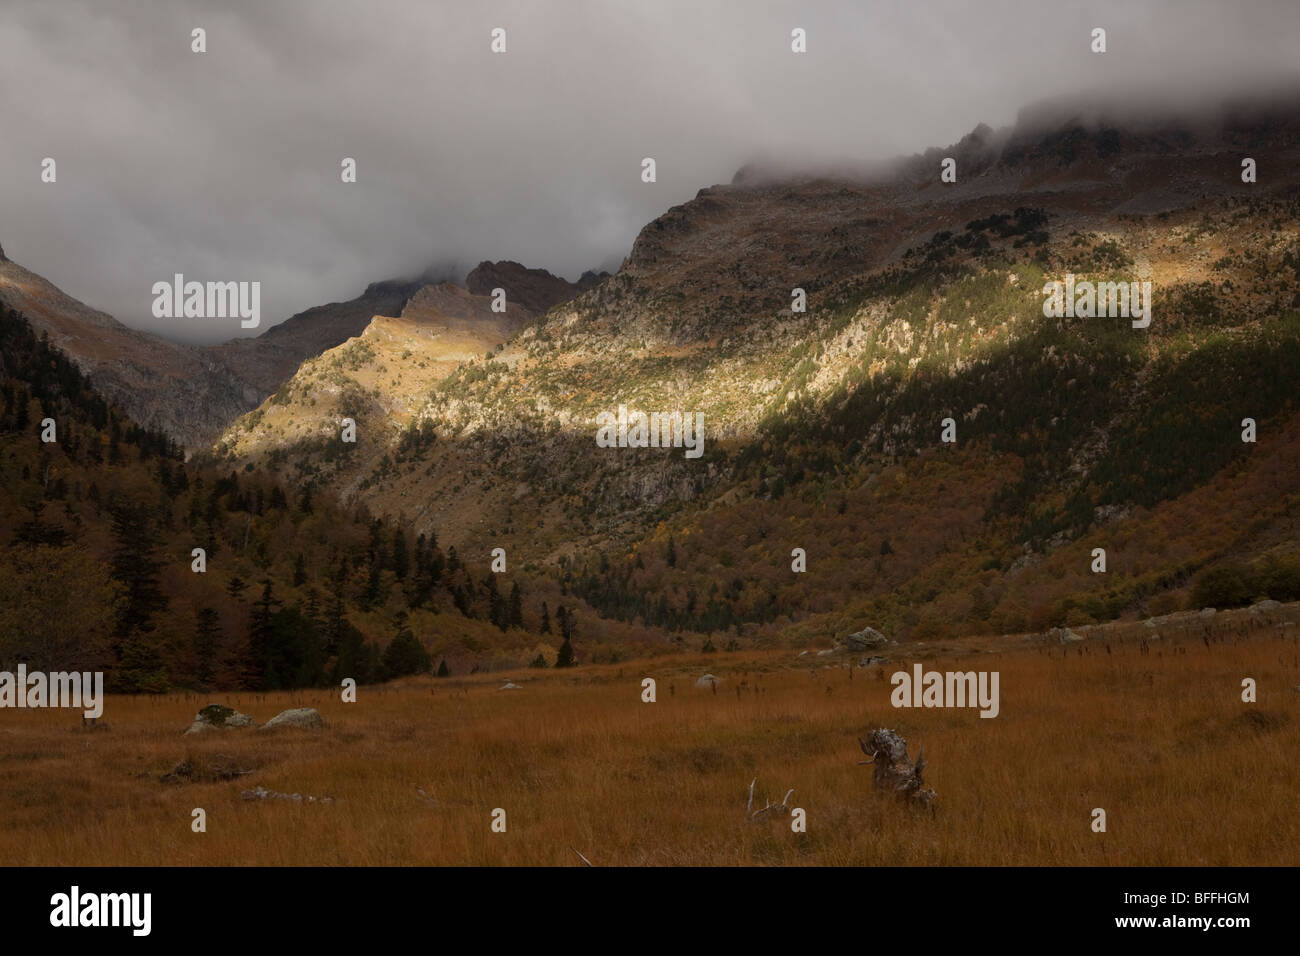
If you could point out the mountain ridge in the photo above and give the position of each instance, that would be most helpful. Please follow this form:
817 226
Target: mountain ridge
911 317
194 392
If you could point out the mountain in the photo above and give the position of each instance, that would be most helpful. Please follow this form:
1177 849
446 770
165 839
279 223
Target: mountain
380 377
823 428
268 359
194 392
182 390
534 289
377 378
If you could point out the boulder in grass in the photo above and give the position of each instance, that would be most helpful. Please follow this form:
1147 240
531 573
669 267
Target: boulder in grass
708 681
218 717
306 717
865 640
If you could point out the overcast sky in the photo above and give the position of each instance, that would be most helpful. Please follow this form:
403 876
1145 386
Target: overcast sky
225 165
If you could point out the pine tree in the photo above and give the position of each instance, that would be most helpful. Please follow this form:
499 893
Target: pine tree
141 669
261 634
546 621
337 623
405 655
207 638
374 582
442 669
672 553
401 559
133 562
515 615
313 608
353 658
565 656
497 612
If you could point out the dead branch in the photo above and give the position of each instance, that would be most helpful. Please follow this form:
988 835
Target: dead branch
580 856
752 815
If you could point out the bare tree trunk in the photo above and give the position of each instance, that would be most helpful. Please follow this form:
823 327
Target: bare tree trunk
894 771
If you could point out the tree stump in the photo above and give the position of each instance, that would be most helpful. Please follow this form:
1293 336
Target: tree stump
894 771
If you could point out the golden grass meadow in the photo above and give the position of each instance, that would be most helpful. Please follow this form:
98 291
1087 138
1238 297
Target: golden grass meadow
1187 772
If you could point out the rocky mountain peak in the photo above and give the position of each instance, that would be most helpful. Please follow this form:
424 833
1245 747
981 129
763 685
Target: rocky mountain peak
535 289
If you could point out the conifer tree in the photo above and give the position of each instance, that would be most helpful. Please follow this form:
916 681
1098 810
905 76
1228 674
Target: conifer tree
565 656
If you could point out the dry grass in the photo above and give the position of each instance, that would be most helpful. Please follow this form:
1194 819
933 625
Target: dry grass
1187 773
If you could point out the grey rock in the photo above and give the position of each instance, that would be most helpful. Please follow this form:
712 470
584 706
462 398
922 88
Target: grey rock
261 793
865 640
295 717
218 717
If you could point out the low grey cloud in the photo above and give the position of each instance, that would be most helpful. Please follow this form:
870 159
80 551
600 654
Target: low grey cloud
225 165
